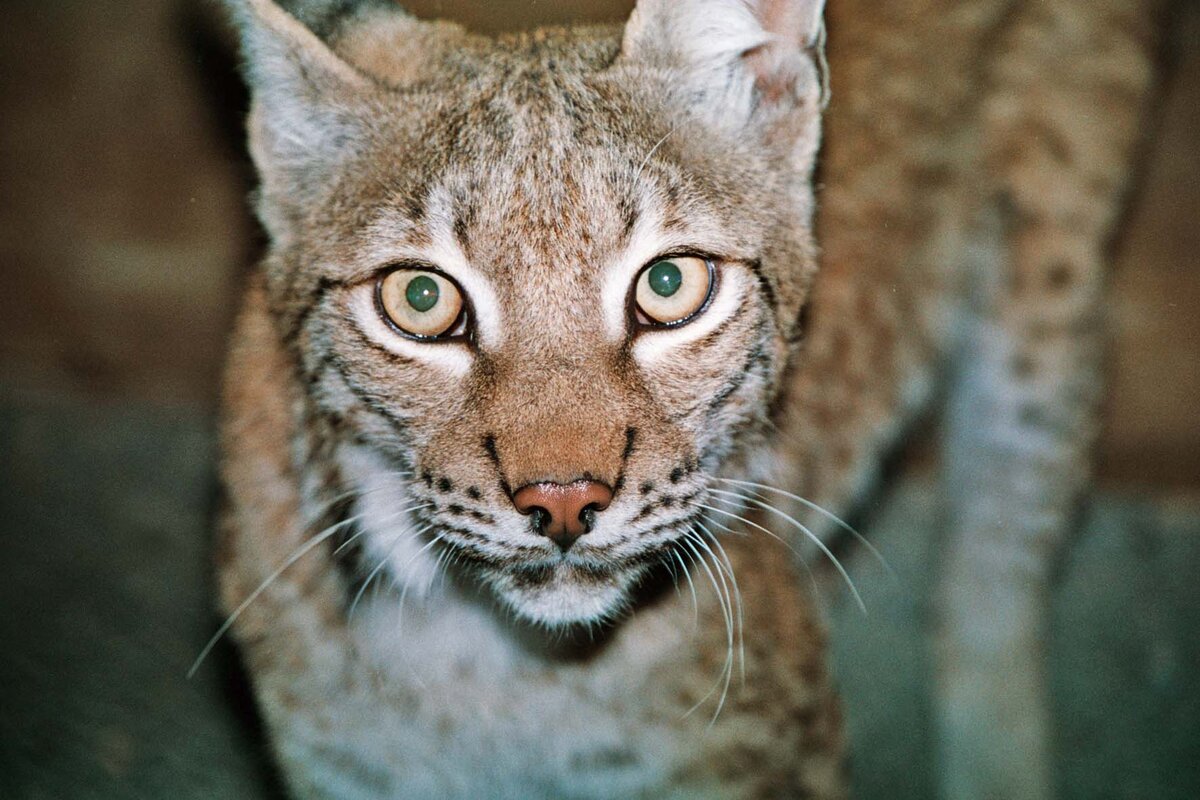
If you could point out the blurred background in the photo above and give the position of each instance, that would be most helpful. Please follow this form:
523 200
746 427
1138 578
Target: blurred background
124 237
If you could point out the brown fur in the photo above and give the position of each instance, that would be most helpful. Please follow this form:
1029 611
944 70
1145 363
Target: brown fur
961 226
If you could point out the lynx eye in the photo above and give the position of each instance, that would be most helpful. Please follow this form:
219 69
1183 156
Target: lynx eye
673 290
421 303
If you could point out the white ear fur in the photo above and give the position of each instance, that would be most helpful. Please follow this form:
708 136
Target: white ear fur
279 47
702 34
731 51
305 97
797 22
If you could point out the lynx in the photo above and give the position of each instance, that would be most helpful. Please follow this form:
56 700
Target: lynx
560 355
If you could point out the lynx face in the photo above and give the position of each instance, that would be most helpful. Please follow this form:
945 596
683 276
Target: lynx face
540 288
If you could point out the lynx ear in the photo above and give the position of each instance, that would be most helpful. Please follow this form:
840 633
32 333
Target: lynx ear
740 57
308 104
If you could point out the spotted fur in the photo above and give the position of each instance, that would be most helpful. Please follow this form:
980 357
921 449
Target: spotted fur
423 639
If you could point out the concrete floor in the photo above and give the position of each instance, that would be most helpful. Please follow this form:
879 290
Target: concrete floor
104 517
1123 651
104 533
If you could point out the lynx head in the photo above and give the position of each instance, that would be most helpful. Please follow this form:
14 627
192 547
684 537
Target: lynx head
538 288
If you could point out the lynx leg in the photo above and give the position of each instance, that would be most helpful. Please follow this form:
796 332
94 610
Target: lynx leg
1067 95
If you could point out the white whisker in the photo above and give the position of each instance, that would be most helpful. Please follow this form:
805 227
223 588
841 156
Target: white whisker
812 536
752 524
737 593
296 555
794 550
726 528
408 584
670 567
404 595
337 550
638 173
389 518
687 574
728 615
729 631
383 562
441 568
824 512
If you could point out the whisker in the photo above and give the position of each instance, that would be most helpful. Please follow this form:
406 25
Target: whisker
349 493
337 550
687 574
815 539
747 521
824 512
408 584
691 537
728 615
389 518
371 575
296 555
383 562
795 551
726 528
638 173
346 495
737 592
441 569
670 567
404 595
729 630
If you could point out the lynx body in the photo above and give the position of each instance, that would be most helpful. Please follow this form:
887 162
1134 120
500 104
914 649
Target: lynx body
413 627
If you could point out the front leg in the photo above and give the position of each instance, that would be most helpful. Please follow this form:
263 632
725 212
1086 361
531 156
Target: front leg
1067 99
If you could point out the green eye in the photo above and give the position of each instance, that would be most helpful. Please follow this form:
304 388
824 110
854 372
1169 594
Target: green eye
422 293
665 278
421 303
673 290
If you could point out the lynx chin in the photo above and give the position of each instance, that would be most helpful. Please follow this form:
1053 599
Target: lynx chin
538 392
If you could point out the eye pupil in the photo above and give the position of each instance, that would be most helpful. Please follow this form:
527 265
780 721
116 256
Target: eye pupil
665 278
422 293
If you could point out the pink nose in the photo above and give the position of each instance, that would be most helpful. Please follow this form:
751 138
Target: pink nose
564 512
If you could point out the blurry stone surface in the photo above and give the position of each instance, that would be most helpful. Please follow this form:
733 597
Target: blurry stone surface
1124 640
105 516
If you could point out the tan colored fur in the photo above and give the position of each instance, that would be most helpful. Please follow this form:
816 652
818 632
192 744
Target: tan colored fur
513 715
961 221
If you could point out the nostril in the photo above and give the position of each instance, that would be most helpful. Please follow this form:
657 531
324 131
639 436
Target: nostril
534 499
587 517
592 495
563 512
539 517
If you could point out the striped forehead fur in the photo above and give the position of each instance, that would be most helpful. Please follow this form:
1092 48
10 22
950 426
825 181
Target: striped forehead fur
540 172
